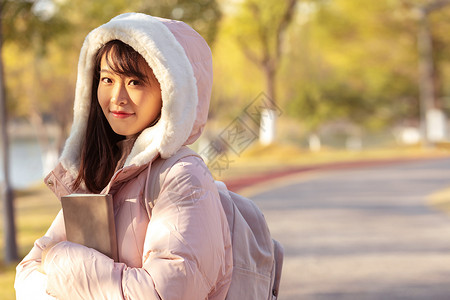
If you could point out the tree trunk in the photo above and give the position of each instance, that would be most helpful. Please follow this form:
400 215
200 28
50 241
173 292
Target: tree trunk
426 67
314 142
267 132
7 193
426 71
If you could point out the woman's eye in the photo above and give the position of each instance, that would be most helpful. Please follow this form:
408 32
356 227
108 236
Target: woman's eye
106 80
134 82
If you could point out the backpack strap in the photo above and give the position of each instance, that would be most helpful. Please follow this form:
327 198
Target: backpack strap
157 173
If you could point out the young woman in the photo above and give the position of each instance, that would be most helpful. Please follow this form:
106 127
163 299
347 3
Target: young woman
142 93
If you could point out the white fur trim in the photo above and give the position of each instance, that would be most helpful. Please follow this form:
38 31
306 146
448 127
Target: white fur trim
171 66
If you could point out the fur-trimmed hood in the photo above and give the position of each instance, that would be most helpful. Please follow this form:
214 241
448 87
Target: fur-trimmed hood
181 61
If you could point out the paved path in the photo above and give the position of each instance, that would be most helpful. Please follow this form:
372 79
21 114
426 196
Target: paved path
364 233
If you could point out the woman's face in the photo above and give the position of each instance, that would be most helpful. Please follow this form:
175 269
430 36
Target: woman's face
130 104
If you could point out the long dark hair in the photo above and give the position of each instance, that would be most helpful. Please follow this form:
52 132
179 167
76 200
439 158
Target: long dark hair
100 153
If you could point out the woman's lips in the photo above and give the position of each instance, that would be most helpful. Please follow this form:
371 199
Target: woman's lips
121 114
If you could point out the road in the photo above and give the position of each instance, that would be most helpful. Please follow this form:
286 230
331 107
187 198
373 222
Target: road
362 233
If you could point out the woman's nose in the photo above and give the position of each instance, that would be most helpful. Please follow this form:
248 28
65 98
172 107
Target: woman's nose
120 95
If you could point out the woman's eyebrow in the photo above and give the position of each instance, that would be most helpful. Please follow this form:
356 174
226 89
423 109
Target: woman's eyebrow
105 71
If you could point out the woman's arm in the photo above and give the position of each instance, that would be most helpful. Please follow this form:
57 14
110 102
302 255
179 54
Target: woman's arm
186 249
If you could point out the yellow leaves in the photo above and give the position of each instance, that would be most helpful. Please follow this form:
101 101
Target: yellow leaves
35 83
18 68
235 77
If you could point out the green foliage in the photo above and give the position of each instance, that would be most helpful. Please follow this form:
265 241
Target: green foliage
25 26
357 60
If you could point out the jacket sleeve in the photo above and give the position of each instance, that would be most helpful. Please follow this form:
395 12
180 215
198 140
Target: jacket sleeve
184 249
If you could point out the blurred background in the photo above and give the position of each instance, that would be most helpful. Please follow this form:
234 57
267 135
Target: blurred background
345 74
331 80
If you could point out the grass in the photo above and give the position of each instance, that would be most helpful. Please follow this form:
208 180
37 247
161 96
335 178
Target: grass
259 158
7 282
36 206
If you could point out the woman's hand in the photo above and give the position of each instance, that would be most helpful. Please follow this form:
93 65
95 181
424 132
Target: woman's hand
47 248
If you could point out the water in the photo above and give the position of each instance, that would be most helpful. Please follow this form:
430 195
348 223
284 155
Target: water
25 163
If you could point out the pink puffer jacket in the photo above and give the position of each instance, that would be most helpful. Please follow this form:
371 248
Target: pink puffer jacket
183 250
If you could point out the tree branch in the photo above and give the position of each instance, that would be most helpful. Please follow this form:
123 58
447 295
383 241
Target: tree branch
284 23
262 33
436 5
250 55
